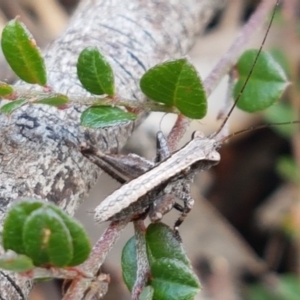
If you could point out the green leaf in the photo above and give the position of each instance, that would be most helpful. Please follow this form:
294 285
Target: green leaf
95 73
258 291
164 252
22 53
176 83
5 89
80 241
281 58
287 288
288 169
266 84
147 293
12 238
162 242
279 113
171 273
129 263
105 116
11 261
56 100
172 279
47 239
11 106
15 223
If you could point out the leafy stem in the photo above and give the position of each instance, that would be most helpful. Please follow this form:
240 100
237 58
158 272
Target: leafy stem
226 63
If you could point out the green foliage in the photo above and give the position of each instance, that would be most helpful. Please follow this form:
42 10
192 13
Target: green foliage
22 53
147 293
104 116
95 73
155 234
176 83
8 108
80 241
12 238
288 169
56 100
280 57
288 288
16 263
47 239
46 234
172 279
96 76
266 84
129 263
171 274
5 89
279 113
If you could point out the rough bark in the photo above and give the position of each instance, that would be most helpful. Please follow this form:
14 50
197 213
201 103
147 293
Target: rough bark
39 154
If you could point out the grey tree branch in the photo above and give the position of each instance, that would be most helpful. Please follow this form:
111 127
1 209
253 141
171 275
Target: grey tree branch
39 154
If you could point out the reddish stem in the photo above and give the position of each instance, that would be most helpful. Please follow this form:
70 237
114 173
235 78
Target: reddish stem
143 268
96 259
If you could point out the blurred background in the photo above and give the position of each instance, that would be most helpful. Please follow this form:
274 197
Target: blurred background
243 235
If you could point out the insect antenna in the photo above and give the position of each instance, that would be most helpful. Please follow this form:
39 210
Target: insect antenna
252 128
250 72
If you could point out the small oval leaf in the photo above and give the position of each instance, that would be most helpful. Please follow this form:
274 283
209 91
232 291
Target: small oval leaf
176 83
12 238
95 73
80 241
11 261
56 100
162 242
11 106
266 84
172 279
129 263
5 89
22 53
47 239
105 116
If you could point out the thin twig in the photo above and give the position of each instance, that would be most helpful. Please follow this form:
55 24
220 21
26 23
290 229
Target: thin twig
255 22
177 132
96 259
222 115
